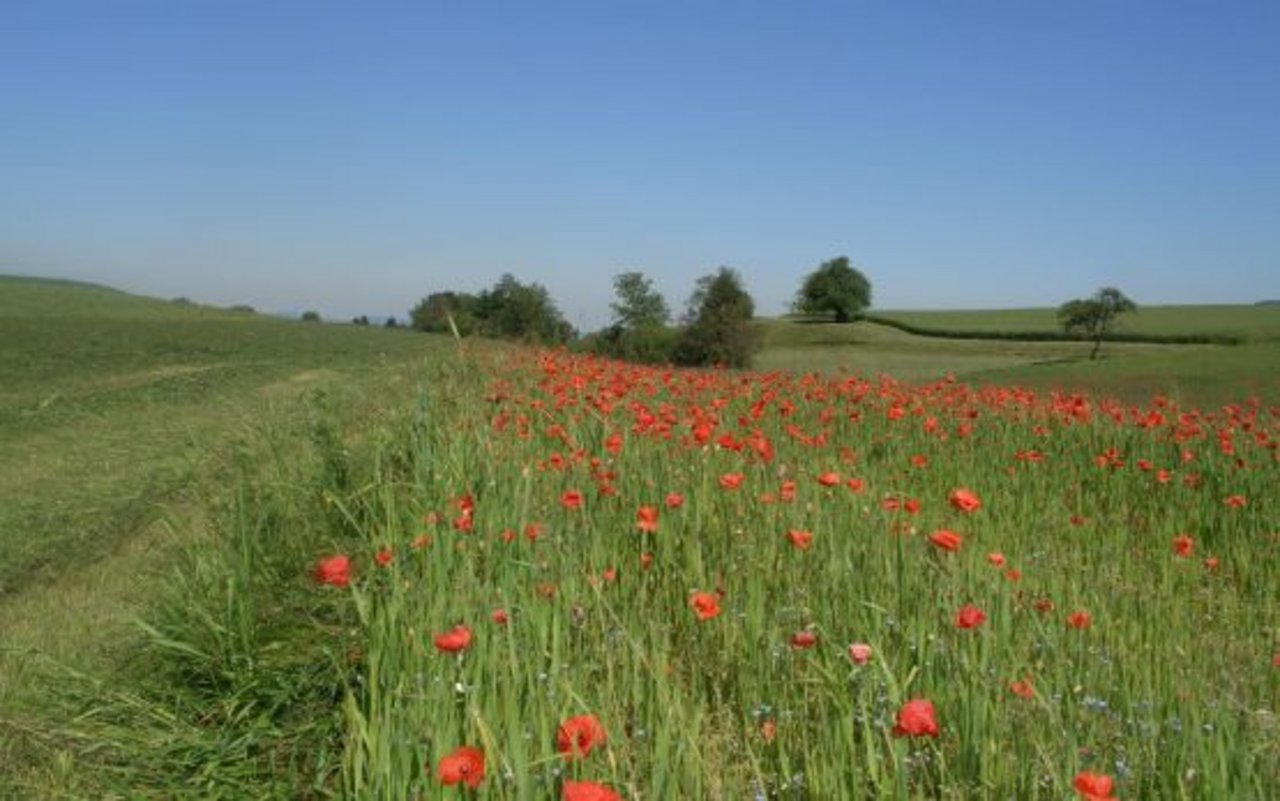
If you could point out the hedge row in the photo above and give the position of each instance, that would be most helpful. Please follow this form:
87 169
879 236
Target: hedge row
1055 336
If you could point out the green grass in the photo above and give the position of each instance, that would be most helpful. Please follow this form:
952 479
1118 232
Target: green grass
108 401
1250 322
125 422
1209 375
189 468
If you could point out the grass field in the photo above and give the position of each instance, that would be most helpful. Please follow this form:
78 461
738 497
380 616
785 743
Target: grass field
1257 322
353 552
1208 375
123 421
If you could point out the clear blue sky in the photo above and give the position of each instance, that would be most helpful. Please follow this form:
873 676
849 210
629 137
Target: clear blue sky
353 157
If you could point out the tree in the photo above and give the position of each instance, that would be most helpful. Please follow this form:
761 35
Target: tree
512 310
834 287
718 322
1093 317
311 316
638 305
433 312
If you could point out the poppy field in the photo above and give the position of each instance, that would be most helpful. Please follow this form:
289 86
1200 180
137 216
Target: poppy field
567 577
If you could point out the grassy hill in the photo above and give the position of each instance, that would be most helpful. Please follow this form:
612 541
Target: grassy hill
106 395
1208 375
1250 323
123 422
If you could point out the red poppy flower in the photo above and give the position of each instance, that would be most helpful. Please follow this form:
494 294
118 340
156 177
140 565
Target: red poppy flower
911 506
945 540
587 791
1079 619
1182 545
465 764
800 540
705 605
768 730
1211 563
996 559
453 640
1022 689
674 500
647 518
969 617
1043 605
963 500
829 479
334 570
859 653
1234 501
578 735
854 484
499 616
1093 786
731 481
571 499
915 719
383 557
803 639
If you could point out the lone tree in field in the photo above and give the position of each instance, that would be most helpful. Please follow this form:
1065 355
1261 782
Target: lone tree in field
718 322
834 287
638 305
1094 317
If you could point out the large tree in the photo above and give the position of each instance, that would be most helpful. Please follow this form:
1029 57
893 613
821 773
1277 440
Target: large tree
639 305
834 287
1094 317
718 322
512 310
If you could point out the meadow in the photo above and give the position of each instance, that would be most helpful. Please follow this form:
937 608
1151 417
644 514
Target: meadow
1248 323
473 570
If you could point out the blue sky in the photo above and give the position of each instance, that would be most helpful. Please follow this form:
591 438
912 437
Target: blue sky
353 157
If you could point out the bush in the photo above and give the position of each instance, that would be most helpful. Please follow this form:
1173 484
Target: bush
718 323
654 344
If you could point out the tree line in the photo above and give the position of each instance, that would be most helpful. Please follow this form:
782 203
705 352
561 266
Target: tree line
715 327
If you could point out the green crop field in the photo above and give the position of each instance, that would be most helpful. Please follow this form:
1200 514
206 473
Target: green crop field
1256 322
243 557
121 421
1195 374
